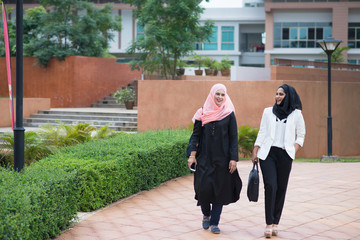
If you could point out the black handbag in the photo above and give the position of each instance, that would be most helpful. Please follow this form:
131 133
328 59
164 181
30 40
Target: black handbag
253 184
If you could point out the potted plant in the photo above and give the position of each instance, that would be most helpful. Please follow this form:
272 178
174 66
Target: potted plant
199 61
125 96
181 64
208 62
225 66
215 66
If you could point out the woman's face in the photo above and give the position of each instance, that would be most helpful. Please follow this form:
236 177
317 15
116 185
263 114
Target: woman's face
280 95
219 97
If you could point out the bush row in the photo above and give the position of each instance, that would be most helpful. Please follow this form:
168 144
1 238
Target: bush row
41 201
37 203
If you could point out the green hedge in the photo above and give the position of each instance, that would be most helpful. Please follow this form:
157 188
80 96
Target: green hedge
41 201
37 203
122 165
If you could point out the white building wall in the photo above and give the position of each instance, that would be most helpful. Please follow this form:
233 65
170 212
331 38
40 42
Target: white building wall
354 15
126 32
249 74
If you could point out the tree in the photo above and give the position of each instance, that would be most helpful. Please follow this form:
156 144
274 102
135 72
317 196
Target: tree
12 36
337 56
171 28
71 27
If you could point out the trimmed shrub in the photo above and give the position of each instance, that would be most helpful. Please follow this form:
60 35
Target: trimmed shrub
37 203
125 164
247 137
42 200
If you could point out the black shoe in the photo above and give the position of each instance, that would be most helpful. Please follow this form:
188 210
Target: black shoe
206 222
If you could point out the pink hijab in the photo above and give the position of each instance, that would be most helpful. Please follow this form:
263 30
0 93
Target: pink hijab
212 112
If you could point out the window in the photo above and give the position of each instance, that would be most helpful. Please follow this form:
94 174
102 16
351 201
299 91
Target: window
354 35
211 44
300 35
227 38
139 31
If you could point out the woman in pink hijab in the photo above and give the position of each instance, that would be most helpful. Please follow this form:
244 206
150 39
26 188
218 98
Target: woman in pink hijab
216 180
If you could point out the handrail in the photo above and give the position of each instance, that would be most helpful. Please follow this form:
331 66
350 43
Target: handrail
304 63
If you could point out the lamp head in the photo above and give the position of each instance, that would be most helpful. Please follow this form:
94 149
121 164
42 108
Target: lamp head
329 45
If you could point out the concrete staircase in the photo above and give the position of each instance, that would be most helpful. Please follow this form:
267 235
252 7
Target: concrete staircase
108 102
118 119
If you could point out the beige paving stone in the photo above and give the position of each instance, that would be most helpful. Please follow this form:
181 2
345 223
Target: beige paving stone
322 203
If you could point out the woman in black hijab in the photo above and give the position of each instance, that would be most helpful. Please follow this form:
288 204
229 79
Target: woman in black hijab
281 134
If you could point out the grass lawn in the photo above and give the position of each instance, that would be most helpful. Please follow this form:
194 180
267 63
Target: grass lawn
342 159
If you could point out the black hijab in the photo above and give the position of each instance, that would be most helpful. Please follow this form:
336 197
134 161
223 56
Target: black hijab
289 103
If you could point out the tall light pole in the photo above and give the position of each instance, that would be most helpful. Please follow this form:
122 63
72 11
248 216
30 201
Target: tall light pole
329 45
19 129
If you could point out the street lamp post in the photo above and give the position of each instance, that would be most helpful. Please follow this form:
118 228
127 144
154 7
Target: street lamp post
329 45
19 129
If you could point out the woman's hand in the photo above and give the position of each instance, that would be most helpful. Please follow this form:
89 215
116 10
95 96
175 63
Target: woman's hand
232 166
191 160
297 147
254 154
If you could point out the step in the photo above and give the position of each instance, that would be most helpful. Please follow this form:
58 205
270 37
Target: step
115 128
109 105
35 122
84 113
110 98
109 101
84 117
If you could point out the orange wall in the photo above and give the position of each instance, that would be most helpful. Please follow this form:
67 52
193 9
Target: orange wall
30 106
312 74
171 104
75 82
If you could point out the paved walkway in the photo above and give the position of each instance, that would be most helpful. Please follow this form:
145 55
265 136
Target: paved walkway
323 202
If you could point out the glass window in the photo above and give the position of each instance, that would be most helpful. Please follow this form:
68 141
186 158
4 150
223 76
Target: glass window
212 43
358 34
311 33
293 33
294 44
285 44
303 33
285 33
351 34
277 34
351 44
327 32
319 33
139 31
311 44
277 44
302 44
227 38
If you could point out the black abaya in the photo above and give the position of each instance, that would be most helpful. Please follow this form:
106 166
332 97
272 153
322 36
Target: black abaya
213 182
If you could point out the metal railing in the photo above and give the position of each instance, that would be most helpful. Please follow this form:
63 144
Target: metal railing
313 64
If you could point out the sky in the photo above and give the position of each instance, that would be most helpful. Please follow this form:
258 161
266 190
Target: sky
221 3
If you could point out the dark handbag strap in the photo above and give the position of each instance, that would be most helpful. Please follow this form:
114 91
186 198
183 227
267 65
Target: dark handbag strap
255 166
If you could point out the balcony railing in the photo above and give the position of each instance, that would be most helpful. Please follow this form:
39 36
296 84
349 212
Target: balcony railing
313 64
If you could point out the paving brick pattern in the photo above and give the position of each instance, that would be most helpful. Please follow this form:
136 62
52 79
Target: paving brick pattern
323 202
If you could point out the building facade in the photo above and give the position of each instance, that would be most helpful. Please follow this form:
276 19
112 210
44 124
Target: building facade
260 31
293 27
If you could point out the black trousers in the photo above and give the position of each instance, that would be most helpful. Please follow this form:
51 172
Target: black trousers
275 170
213 212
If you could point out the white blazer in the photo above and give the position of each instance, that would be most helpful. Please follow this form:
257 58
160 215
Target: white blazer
294 132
